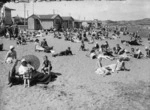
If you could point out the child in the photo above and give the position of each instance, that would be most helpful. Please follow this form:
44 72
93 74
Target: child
46 66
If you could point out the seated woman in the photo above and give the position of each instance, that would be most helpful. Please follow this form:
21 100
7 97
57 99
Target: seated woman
38 47
46 66
11 55
45 46
64 53
24 67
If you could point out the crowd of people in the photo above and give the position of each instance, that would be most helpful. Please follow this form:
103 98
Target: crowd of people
91 36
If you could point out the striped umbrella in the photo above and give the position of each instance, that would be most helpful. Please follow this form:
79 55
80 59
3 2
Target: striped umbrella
33 60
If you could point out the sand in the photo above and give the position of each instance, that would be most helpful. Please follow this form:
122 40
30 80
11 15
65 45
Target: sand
78 87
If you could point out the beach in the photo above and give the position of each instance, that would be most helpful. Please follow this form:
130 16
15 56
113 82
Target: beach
78 87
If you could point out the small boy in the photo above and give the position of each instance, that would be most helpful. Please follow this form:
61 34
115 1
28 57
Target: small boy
46 66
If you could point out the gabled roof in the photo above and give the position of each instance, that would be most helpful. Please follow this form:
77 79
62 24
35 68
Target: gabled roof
6 8
67 18
51 16
76 20
45 17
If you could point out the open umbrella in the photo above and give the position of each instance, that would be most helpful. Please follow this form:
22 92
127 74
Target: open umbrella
33 60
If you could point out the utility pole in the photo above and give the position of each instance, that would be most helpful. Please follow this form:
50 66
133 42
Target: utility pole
24 14
33 7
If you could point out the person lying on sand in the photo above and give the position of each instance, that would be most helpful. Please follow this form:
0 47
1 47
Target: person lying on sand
11 55
64 53
109 69
46 65
92 54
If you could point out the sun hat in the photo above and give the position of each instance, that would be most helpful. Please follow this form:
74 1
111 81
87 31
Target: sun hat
11 47
23 60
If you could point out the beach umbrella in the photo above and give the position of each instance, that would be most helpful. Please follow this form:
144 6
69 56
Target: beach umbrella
33 60
85 24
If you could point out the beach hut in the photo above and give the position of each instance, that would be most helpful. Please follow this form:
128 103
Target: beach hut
68 22
5 15
46 22
77 23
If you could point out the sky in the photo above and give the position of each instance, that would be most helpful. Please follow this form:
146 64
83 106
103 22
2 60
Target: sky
88 10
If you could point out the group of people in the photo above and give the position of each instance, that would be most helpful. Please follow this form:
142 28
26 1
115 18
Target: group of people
99 52
26 68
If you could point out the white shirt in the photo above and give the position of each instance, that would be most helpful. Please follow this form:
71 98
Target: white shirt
22 70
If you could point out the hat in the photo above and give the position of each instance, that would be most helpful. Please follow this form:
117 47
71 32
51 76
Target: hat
23 60
11 47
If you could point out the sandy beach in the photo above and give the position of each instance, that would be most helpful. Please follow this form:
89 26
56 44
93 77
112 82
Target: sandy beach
78 87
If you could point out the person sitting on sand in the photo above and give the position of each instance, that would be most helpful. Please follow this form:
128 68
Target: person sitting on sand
138 54
82 47
120 66
25 67
97 46
45 46
64 53
105 46
38 47
118 49
46 66
11 55
147 52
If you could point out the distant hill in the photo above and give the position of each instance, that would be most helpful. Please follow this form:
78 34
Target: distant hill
145 21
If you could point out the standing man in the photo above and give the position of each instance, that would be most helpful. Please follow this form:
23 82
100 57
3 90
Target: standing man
16 31
10 30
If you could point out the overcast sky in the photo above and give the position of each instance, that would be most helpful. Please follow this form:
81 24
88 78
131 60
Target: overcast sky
102 10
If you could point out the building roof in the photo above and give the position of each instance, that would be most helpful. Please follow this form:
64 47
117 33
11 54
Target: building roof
50 16
45 17
67 18
6 8
77 21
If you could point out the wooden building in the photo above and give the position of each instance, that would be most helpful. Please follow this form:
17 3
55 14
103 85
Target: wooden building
38 22
68 22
